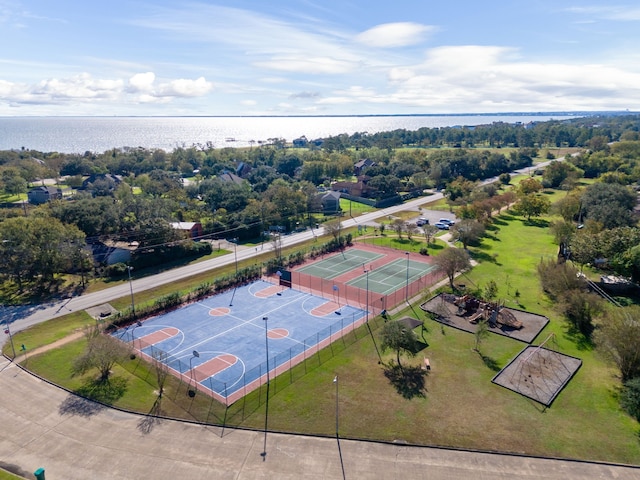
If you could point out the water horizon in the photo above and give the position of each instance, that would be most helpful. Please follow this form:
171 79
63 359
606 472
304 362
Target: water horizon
98 134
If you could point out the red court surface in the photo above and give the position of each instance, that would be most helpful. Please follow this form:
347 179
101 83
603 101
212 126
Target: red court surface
213 366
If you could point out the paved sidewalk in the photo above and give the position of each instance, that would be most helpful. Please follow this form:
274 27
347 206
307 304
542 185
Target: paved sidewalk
43 426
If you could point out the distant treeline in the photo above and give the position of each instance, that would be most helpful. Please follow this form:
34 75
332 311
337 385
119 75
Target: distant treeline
568 133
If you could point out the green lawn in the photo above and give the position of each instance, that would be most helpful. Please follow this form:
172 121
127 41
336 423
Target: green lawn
460 407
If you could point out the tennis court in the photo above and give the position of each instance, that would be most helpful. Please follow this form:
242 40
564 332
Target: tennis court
341 263
372 277
223 344
392 276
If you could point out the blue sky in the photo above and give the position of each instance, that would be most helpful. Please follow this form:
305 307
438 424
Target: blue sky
312 57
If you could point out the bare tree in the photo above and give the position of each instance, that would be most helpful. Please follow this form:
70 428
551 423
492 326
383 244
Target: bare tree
429 232
398 226
333 228
161 369
452 261
276 242
411 229
102 352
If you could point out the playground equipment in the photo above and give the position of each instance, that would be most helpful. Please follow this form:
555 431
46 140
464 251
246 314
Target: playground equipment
491 312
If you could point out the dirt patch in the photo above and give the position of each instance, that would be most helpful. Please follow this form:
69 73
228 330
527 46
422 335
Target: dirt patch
538 373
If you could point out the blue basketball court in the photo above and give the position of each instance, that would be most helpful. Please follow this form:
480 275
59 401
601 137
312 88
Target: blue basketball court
220 344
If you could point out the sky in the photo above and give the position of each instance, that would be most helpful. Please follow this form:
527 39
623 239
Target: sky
312 57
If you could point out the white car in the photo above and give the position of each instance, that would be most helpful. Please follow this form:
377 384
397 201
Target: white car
447 221
442 225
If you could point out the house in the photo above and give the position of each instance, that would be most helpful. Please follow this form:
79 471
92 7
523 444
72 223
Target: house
356 189
192 229
300 142
361 166
330 202
111 252
44 194
231 177
101 183
243 169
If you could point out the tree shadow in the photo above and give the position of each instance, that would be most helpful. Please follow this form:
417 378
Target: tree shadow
537 222
580 340
490 362
408 381
83 407
104 391
149 421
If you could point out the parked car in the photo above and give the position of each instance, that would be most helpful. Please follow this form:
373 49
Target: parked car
422 221
447 221
442 225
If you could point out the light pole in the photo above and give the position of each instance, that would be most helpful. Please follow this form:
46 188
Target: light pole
235 251
367 296
335 380
407 288
266 411
195 354
8 332
133 305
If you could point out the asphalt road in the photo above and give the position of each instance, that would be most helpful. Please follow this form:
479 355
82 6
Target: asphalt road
46 427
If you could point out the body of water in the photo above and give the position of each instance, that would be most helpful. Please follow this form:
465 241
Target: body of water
98 134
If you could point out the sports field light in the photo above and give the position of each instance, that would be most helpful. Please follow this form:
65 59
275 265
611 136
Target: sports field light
367 297
195 354
133 305
407 288
266 411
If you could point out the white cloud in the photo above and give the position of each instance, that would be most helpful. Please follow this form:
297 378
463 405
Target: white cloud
142 82
477 78
311 65
183 87
623 13
400 34
83 88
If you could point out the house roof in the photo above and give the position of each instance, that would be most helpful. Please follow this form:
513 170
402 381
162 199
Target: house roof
230 177
183 225
330 194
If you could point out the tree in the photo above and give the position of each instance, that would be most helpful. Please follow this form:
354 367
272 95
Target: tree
102 352
333 228
558 278
398 226
452 261
399 338
504 178
528 186
482 332
37 248
579 308
429 232
557 173
630 397
609 204
617 336
467 232
532 205
160 368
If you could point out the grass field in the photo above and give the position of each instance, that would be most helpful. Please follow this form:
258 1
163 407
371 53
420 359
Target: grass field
460 407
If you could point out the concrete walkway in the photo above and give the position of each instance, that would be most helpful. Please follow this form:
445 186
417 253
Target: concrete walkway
43 426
